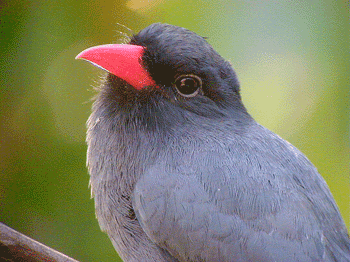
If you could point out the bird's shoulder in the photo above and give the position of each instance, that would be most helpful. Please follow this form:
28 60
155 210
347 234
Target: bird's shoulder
256 200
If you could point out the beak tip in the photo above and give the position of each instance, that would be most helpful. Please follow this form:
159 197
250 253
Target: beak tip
79 56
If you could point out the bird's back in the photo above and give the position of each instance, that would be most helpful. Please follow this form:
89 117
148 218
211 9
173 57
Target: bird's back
246 196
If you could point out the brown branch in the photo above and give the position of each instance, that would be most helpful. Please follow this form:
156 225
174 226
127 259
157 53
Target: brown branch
15 246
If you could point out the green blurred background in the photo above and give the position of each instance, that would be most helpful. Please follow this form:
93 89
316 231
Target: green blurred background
292 59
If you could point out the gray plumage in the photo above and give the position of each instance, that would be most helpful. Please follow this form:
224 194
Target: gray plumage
197 179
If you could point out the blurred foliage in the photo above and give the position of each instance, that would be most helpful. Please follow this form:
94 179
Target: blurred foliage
292 58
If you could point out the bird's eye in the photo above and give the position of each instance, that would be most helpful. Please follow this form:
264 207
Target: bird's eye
188 85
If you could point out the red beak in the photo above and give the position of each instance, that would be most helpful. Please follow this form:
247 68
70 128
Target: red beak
123 61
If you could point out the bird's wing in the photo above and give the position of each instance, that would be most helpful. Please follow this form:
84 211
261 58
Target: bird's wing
215 205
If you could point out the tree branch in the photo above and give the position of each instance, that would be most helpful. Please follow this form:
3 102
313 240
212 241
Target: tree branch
15 246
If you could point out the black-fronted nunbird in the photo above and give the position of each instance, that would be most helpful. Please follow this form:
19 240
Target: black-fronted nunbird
181 172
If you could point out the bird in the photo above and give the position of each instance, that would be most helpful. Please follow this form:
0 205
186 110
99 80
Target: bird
180 171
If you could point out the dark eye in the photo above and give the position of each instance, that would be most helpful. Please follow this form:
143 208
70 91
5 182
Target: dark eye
188 85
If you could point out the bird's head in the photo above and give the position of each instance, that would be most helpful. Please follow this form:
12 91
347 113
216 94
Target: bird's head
168 64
